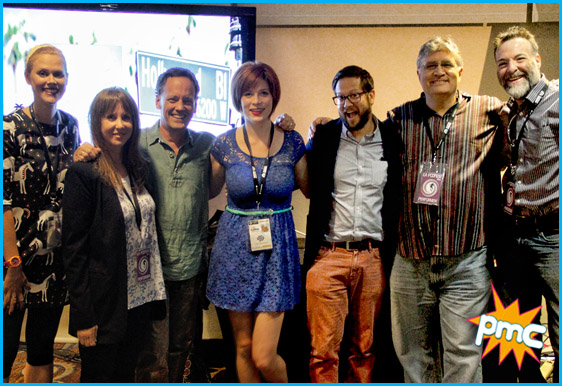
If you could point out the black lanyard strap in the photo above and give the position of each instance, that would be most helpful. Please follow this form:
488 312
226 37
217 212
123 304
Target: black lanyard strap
259 184
513 136
449 118
52 166
134 202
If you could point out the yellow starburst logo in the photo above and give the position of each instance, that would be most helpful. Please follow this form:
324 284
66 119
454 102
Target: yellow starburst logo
508 328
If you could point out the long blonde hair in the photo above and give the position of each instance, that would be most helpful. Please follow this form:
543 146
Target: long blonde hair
103 104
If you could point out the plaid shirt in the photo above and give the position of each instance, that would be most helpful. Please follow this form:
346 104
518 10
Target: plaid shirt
456 225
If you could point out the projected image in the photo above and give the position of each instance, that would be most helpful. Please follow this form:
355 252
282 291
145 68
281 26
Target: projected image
129 50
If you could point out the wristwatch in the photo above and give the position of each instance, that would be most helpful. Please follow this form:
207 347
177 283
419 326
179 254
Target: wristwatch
12 262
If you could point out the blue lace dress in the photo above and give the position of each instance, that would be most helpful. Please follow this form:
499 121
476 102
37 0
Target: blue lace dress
265 281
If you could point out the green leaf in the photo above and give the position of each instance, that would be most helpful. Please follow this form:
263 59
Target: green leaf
71 39
94 39
7 37
15 56
16 51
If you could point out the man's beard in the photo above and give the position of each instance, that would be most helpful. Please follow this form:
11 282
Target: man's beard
519 91
364 118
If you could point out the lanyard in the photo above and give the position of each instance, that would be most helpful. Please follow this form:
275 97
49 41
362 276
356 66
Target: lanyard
449 119
134 202
52 166
515 138
259 184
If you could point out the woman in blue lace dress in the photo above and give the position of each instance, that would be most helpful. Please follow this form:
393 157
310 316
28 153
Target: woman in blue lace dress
254 270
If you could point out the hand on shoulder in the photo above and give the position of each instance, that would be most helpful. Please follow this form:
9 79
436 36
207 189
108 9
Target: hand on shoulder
86 153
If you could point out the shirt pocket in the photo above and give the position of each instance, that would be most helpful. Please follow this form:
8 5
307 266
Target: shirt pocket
377 172
548 142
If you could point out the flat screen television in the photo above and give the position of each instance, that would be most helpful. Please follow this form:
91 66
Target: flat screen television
129 45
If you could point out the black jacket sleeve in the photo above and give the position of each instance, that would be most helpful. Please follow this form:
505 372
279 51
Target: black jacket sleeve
78 214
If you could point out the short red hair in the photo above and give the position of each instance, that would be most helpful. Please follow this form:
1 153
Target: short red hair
247 75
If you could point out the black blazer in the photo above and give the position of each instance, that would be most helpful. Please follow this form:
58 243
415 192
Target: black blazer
321 158
94 254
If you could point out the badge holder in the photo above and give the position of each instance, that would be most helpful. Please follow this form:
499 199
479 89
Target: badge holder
260 235
143 265
429 183
508 185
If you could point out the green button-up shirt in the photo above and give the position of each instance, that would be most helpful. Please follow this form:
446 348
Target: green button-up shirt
179 185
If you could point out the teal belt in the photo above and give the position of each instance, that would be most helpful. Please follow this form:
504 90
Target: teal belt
268 212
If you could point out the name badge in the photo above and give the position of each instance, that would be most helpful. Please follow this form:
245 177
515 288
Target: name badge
260 235
509 197
143 265
429 184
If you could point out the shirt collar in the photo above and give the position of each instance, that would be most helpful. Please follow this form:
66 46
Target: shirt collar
462 99
532 95
368 137
154 136
530 99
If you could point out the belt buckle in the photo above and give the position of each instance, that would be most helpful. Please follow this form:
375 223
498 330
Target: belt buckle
348 246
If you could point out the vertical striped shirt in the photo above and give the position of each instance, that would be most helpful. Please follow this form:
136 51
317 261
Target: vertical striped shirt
536 172
456 225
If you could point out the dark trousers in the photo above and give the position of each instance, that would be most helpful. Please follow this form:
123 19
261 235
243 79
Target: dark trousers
116 362
527 269
12 330
41 329
172 341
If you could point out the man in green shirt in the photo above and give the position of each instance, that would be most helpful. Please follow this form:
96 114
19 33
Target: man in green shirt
180 173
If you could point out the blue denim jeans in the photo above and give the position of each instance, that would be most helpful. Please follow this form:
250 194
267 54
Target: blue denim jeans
430 304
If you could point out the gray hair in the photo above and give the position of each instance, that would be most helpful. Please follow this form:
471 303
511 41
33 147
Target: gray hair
439 44
515 32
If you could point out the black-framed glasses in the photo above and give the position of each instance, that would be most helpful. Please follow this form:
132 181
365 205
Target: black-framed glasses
339 100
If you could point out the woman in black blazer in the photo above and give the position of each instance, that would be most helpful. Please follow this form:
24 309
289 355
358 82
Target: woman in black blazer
110 245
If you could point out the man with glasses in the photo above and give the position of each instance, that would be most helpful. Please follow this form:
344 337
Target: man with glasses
353 165
439 278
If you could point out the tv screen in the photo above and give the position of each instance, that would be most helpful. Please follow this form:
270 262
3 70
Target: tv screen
129 45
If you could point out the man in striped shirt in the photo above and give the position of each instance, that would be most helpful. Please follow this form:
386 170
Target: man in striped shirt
439 278
530 183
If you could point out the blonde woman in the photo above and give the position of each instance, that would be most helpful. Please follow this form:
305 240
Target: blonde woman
39 141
